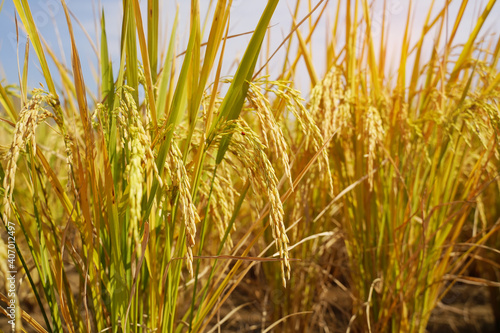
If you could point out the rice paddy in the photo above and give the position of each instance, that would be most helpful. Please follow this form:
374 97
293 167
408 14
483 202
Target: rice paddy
358 195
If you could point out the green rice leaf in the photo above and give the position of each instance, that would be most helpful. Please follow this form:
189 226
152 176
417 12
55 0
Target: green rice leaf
232 104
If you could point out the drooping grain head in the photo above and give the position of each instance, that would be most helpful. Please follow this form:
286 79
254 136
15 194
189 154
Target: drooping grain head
176 171
24 133
375 133
141 163
295 103
250 152
270 126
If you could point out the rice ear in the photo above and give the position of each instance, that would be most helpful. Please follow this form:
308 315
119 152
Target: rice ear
375 133
180 179
24 133
250 151
270 125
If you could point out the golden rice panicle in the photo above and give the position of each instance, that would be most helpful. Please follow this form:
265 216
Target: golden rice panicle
148 158
493 111
135 179
223 199
329 103
482 117
315 102
140 154
174 166
122 126
217 211
294 103
375 133
321 103
247 147
100 118
136 121
24 133
269 124
222 206
134 169
328 97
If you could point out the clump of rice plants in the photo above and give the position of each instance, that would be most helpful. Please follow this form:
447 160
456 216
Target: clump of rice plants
411 158
126 190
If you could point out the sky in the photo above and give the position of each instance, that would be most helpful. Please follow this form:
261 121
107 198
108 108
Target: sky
50 19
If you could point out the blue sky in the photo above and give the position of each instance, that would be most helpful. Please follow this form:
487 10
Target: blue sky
245 14
51 22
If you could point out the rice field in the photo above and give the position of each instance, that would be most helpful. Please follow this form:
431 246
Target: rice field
355 194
